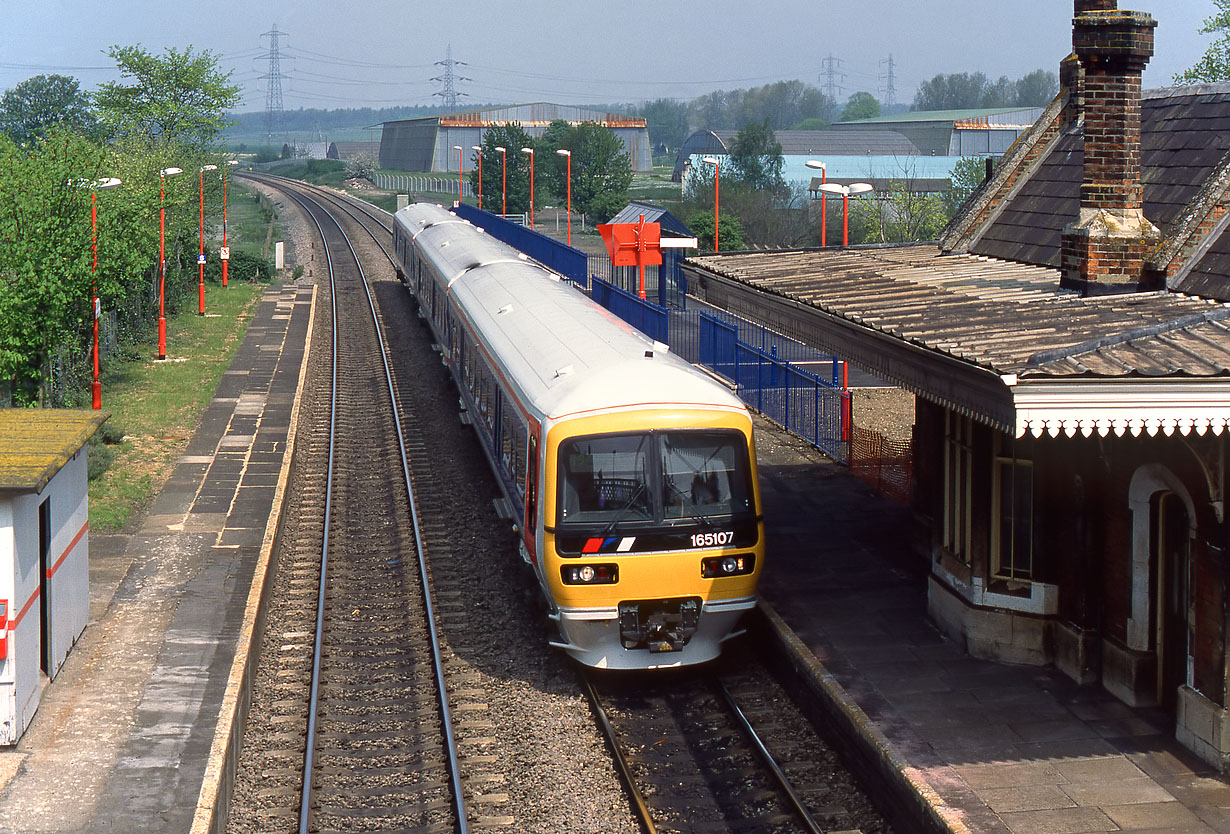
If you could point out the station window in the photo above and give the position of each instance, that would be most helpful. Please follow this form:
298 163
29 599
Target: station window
1013 510
958 491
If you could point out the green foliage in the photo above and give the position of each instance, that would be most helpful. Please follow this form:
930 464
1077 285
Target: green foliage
730 231
601 169
962 91
860 106
811 124
1215 64
32 107
899 216
756 160
178 99
783 103
966 176
44 253
362 166
506 176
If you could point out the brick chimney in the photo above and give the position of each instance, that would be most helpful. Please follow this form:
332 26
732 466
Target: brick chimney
1104 249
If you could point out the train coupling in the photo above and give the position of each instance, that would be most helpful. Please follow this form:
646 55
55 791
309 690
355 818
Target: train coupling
660 625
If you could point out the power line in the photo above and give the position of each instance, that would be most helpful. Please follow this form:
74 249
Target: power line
450 94
273 100
890 86
828 78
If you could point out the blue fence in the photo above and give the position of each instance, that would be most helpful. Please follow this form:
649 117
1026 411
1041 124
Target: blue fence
556 256
814 408
767 369
646 317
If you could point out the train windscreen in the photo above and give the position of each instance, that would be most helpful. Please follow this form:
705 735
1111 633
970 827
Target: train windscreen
667 477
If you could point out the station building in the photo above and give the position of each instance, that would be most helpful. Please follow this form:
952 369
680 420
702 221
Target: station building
426 144
1068 343
44 559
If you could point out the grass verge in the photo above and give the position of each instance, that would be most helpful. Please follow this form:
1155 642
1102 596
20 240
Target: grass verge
157 404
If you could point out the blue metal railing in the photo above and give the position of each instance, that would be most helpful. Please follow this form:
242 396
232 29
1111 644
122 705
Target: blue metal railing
554 255
766 368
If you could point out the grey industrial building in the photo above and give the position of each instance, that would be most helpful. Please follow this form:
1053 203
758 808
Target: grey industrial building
427 144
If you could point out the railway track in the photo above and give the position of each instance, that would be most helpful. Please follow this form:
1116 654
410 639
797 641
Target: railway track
376 733
531 756
699 753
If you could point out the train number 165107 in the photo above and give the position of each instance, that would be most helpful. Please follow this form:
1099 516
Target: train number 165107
717 539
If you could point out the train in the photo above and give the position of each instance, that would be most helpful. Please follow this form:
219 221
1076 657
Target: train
629 475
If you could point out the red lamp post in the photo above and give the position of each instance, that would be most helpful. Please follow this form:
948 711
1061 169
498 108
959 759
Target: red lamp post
713 160
460 171
109 182
162 258
846 191
225 253
824 200
568 179
200 258
503 179
530 151
480 174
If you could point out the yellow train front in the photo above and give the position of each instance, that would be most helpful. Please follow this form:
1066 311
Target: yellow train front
629 474
653 540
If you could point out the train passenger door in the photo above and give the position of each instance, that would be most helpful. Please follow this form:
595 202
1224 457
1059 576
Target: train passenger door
531 495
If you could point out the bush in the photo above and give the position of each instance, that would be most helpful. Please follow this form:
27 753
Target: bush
101 455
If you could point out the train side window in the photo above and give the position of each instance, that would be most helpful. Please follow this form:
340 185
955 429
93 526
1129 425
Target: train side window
531 486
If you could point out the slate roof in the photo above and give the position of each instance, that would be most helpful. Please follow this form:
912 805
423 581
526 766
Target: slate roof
1006 317
672 225
35 443
1185 133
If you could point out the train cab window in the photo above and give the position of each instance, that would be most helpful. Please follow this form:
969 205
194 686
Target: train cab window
704 474
673 478
606 478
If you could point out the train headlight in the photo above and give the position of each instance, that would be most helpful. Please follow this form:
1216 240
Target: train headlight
715 567
589 574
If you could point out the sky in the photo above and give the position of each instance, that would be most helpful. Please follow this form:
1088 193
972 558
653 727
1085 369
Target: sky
379 53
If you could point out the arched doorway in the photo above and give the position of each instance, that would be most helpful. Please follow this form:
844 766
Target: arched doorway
1160 622
1171 578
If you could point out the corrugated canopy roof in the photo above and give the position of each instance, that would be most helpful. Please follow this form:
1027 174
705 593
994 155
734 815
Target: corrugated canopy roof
35 443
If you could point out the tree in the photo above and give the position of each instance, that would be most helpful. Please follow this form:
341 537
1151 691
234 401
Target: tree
756 158
1215 65
44 249
860 106
730 230
963 91
506 176
666 120
178 99
32 107
966 176
601 168
1036 89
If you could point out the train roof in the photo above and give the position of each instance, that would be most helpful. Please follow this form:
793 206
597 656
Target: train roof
566 355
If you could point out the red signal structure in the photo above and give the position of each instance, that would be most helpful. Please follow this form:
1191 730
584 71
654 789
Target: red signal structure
634 244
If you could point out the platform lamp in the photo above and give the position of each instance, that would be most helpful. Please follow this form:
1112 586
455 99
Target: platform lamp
503 180
480 174
713 160
530 151
846 191
460 172
224 254
824 200
568 179
162 258
95 187
200 258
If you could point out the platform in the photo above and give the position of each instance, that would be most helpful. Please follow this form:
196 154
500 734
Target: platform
122 736
979 746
